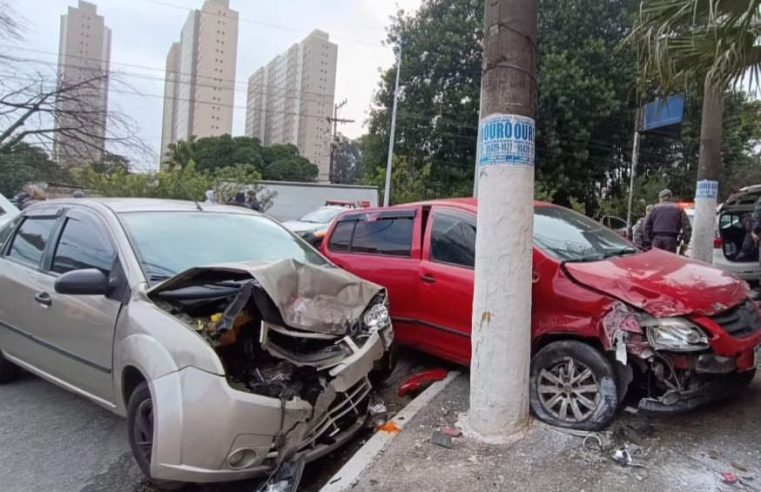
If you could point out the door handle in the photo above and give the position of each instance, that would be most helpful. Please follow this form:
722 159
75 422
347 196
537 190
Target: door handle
428 279
43 298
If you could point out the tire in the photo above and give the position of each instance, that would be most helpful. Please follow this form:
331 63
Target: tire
140 433
385 366
8 371
573 385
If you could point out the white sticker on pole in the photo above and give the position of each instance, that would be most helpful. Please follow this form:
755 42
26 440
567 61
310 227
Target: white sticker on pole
506 140
707 189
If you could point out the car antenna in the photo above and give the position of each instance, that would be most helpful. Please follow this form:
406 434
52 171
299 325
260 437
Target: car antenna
198 205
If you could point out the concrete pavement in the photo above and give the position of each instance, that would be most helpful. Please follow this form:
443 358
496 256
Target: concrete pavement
686 452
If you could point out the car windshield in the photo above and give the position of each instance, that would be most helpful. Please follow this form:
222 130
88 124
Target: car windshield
322 215
570 236
167 243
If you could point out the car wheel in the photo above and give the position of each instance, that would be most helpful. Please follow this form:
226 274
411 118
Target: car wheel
140 429
8 370
385 366
573 385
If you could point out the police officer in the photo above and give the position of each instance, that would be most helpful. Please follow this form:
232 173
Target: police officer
665 222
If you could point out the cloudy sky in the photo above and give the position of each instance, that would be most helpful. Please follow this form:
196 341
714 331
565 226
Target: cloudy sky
143 30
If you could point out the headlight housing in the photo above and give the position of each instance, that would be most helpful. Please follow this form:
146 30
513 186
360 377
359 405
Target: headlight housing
377 316
676 335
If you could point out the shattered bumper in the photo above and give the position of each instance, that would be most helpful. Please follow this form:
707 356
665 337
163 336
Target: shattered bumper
715 389
201 421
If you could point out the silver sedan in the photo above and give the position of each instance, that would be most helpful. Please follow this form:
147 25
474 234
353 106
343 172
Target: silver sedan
232 347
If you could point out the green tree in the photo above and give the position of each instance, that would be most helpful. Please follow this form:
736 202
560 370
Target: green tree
347 160
25 163
292 168
211 153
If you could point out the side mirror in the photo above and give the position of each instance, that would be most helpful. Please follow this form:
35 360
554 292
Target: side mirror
85 282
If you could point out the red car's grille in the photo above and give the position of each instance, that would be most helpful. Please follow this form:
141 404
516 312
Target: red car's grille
740 321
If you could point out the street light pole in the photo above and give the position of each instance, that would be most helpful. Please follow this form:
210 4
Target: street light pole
389 162
633 172
501 335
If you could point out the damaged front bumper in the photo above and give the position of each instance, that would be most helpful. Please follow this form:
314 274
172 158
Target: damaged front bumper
207 431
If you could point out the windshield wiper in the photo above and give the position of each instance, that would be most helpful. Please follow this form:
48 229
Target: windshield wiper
620 252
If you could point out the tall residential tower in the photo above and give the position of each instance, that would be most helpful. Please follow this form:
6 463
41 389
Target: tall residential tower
290 99
199 85
84 52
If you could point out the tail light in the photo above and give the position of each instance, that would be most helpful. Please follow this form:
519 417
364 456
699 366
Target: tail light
718 243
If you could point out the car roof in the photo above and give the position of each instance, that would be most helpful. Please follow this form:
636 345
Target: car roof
469 203
742 200
124 205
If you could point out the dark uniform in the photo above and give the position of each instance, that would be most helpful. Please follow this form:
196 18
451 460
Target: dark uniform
664 224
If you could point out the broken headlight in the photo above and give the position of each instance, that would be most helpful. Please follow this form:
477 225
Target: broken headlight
377 317
677 335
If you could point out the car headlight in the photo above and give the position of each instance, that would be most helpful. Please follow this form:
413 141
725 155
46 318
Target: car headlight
677 335
377 316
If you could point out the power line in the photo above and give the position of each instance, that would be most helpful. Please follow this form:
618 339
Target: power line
270 25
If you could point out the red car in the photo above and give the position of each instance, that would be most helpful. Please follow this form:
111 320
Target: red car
605 314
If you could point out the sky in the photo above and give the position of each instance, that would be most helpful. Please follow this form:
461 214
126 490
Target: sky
143 31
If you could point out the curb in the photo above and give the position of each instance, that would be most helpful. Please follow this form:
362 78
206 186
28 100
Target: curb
353 469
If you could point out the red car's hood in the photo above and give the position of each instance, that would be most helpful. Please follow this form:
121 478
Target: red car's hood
662 284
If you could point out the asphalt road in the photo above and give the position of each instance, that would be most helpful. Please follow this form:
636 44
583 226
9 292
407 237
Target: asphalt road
54 440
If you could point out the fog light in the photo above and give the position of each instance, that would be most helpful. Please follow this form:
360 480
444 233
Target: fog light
241 458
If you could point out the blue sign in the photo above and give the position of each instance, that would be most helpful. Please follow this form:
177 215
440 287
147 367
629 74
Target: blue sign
506 140
663 114
707 189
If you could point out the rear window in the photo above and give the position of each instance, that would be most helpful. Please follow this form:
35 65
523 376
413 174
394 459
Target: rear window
341 238
31 239
384 236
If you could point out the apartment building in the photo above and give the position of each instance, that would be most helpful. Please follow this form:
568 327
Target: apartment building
290 99
199 87
84 54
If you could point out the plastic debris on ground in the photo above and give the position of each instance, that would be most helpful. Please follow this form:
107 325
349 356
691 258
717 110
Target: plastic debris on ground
418 382
378 410
286 479
451 431
729 478
440 439
389 427
623 456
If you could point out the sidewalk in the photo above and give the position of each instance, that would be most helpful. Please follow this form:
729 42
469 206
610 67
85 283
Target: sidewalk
687 452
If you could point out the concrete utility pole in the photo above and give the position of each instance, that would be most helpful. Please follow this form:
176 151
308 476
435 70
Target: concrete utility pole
633 172
390 161
501 338
334 138
709 165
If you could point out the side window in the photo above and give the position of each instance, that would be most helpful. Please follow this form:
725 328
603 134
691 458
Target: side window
31 239
83 244
453 238
385 236
6 229
341 237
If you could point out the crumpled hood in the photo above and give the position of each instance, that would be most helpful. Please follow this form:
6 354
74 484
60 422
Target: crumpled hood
317 299
662 284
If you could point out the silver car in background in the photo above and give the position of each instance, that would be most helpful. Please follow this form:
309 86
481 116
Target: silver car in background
232 347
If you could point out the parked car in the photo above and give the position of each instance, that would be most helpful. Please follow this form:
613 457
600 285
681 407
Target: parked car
313 226
223 372
730 232
616 223
604 312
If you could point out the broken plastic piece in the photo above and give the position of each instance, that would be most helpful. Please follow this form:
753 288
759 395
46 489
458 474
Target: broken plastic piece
377 409
286 479
389 427
451 431
623 456
729 477
440 439
420 381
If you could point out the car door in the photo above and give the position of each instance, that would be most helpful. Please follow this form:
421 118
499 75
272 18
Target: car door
79 329
445 283
383 247
23 280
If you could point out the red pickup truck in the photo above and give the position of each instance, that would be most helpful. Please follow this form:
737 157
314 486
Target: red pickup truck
604 313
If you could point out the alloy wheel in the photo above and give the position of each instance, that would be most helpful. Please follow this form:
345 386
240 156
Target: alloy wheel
144 429
569 390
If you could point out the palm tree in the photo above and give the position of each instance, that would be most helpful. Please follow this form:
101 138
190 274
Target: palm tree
712 41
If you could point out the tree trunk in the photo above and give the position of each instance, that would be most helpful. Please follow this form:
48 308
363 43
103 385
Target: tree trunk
501 336
709 166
